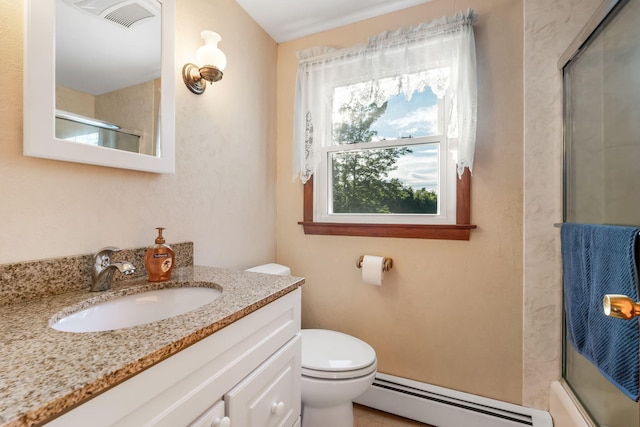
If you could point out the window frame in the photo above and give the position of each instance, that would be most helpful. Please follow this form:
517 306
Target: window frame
460 230
446 179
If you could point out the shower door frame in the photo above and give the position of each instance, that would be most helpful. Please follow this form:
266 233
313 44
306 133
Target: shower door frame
607 10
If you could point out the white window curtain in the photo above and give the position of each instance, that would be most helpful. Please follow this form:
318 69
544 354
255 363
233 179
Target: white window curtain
440 54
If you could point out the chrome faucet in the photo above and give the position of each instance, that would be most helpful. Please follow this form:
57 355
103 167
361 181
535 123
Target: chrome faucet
103 269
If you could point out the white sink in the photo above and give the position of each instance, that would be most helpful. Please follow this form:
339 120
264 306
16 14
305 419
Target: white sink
136 309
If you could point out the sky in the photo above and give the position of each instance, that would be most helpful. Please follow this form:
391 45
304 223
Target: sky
419 117
416 118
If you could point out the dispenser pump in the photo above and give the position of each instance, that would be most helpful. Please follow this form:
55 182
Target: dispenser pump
159 239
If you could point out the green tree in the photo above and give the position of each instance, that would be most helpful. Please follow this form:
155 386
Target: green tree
361 182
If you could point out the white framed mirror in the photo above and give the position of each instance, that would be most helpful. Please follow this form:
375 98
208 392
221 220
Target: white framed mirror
99 82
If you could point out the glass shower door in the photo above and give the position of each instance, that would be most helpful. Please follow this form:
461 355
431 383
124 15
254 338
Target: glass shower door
602 170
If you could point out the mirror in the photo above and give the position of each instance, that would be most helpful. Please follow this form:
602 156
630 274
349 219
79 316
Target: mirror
94 74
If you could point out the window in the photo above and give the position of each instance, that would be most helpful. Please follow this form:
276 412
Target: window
387 162
381 130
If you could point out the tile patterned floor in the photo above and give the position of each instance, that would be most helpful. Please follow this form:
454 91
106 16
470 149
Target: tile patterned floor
367 417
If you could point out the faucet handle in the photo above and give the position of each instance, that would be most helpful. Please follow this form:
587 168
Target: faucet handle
101 259
108 250
103 254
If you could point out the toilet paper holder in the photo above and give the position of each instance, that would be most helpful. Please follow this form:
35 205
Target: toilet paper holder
387 263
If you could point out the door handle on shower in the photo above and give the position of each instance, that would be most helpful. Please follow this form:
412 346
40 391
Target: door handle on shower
620 306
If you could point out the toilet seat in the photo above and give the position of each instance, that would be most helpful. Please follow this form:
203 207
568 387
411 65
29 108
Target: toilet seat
334 355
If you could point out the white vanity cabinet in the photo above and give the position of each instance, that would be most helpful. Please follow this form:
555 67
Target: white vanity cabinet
245 375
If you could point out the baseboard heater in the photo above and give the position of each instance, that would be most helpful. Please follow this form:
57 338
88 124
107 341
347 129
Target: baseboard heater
444 407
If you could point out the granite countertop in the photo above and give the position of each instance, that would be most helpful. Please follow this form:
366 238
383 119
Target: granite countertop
44 372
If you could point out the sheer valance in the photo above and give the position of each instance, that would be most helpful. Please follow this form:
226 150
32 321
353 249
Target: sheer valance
440 55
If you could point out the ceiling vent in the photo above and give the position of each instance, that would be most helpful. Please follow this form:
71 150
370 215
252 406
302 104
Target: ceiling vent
122 12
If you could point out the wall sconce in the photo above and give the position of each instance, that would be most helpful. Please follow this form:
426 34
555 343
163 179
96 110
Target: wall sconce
211 60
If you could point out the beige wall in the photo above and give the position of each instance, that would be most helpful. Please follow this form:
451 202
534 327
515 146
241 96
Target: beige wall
222 196
450 312
75 101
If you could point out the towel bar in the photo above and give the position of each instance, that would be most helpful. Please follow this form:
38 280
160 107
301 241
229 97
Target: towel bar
559 224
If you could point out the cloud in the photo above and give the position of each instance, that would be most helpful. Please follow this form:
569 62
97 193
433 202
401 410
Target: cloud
419 169
419 122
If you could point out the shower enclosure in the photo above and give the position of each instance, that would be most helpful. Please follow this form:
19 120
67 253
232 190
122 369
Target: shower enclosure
601 72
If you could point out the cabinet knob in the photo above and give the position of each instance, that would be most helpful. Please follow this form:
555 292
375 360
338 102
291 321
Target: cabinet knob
277 409
221 422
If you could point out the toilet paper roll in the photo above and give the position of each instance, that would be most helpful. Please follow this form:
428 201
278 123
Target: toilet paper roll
372 272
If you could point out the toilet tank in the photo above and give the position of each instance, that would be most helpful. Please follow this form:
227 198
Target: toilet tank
271 268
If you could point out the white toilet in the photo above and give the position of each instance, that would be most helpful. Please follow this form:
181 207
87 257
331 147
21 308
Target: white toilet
336 368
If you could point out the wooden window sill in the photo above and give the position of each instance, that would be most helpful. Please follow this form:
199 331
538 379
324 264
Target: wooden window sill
449 232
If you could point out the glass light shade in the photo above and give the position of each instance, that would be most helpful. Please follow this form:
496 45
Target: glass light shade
209 53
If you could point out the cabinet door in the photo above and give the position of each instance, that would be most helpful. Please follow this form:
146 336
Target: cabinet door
270 395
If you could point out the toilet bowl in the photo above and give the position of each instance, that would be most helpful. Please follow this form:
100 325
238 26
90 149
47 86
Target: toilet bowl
336 368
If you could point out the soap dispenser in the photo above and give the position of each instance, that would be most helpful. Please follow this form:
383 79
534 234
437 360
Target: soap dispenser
159 260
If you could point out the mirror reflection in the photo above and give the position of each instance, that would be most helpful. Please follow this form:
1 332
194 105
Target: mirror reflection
107 68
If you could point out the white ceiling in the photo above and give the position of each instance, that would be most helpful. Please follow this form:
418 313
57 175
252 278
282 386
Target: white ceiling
92 52
286 20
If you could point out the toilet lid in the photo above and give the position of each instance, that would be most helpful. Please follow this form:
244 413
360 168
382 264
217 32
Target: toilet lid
332 351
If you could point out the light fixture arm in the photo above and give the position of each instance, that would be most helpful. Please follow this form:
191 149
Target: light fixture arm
196 78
